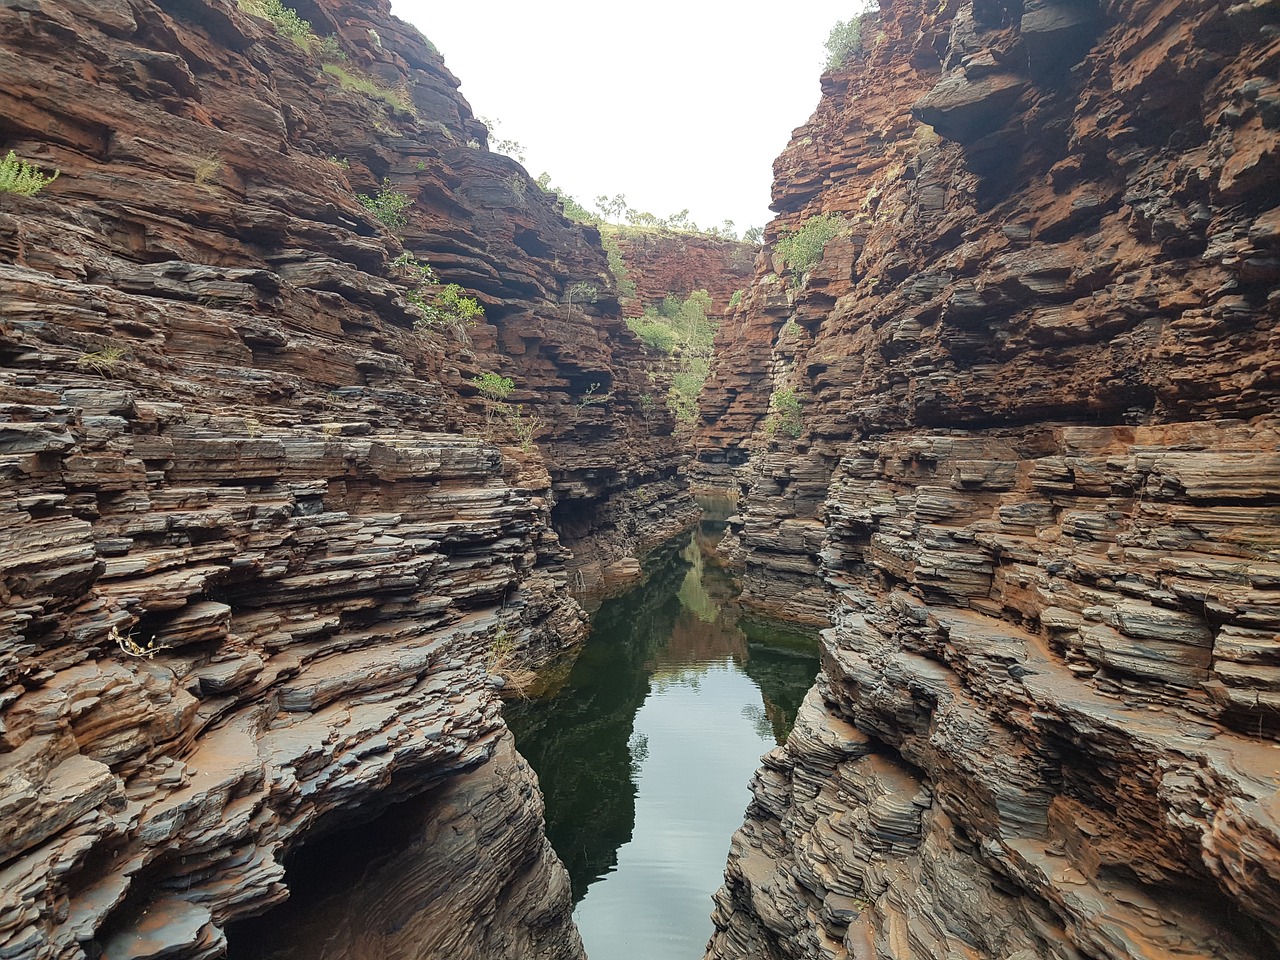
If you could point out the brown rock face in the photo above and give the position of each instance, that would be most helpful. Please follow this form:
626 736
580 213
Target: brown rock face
662 262
261 536
1034 490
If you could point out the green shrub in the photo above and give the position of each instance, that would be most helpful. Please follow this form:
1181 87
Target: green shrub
448 307
388 206
330 50
655 334
617 265
844 40
285 19
494 387
680 329
848 38
18 176
736 299
784 413
802 249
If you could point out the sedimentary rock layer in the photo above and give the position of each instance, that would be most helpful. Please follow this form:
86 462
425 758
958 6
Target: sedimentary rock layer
264 542
662 263
1034 489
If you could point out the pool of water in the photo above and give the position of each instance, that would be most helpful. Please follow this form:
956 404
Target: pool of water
644 754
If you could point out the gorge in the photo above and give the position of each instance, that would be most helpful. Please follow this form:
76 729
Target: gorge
998 402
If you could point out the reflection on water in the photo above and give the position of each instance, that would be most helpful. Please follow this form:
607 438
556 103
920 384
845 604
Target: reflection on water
645 753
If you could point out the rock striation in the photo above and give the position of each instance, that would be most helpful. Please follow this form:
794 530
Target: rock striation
266 546
666 262
1033 492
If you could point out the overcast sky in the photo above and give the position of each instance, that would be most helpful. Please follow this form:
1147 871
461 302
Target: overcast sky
675 103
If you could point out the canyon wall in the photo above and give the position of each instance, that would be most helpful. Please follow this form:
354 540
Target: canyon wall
662 262
267 549
1034 485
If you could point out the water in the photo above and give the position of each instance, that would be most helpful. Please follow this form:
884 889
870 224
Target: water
645 753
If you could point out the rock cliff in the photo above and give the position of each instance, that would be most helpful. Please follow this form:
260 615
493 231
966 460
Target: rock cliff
266 545
1033 486
662 262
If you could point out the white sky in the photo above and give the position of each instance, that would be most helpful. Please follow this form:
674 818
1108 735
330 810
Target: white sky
675 103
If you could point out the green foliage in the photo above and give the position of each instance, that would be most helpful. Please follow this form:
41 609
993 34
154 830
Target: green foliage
447 306
511 148
626 287
681 329
330 51
525 428
349 78
753 236
494 387
572 208
784 413
802 249
843 42
655 334
285 19
736 299
388 206
18 176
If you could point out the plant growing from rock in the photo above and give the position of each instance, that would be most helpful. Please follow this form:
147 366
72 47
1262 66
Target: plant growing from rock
784 413
206 169
681 329
349 78
132 648
447 306
102 362
802 249
284 19
847 39
493 386
18 176
595 396
388 205
525 428
617 265
580 292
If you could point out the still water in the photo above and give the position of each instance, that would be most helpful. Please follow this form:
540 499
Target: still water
645 753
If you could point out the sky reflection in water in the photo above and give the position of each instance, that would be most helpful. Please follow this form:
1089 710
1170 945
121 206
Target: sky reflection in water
644 755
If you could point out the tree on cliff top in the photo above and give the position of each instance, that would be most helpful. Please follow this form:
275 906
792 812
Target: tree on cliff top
847 38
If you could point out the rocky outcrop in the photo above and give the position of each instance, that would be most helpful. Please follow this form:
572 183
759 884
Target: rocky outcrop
387 898
1033 487
265 543
665 262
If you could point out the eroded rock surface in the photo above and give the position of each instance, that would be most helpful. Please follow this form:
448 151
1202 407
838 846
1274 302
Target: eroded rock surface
265 544
1033 488
662 263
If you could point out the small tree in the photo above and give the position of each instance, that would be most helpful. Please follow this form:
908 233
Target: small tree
581 293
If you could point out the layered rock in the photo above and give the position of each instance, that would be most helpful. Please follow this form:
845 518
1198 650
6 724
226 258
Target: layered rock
265 542
663 263
1034 484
